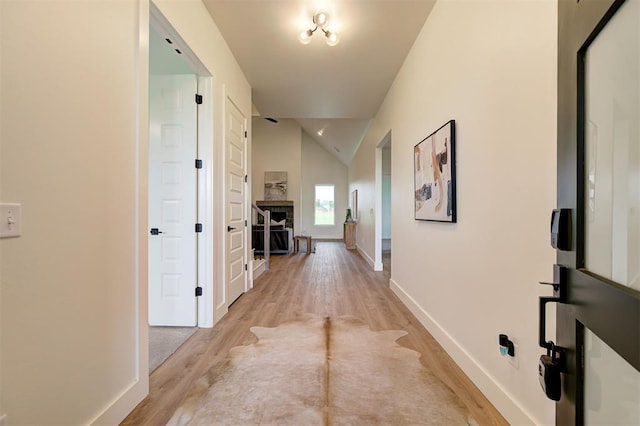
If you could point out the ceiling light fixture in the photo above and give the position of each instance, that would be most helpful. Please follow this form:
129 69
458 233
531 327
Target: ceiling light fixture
320 20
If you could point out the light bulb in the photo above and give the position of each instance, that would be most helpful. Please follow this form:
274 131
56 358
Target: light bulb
332 38
305 36
321 19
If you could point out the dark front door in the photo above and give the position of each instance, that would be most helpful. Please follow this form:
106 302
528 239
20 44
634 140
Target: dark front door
599 183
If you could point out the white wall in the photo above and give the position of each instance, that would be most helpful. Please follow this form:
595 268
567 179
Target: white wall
277 147
320 167
491 66
73 313
68 108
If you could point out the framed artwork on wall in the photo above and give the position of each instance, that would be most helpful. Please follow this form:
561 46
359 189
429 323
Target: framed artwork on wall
434 171
275 186
354 204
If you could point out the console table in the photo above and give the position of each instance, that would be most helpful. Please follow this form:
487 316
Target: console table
350 235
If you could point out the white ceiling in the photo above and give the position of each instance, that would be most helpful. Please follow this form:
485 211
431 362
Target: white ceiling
316 83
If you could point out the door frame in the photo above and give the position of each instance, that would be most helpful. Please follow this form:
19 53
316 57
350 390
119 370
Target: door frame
204 151
578 25
377 266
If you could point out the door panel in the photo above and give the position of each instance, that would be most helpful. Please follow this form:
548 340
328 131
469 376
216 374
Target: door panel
236 202
172 200
598 143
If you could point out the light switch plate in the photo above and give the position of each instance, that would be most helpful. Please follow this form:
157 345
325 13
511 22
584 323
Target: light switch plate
10 220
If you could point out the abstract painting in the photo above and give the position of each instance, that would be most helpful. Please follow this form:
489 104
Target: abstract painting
275 186
434 175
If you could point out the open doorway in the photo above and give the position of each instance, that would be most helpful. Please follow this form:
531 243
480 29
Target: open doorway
383 205
386 206
174 241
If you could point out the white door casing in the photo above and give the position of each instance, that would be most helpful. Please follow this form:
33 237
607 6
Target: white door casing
235 250
172 200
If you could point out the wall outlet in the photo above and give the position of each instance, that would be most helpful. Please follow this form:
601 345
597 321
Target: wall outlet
3 420
513 360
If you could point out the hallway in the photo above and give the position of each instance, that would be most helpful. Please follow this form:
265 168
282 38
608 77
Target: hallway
331 282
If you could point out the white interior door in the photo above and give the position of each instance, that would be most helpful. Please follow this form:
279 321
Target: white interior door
235 186
172 200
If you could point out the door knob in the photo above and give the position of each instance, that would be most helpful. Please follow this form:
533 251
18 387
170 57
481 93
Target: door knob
156 231
230 228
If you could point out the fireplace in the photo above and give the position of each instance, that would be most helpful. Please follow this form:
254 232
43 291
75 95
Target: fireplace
279 210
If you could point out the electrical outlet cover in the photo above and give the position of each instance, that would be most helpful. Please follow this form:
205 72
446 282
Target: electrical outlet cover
513 360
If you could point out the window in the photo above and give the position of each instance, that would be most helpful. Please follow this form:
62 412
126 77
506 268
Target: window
324 211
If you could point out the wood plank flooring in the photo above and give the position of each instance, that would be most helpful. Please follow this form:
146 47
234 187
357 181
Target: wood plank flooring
332 282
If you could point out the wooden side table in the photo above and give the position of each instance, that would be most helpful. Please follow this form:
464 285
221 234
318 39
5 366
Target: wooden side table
296 242
350 235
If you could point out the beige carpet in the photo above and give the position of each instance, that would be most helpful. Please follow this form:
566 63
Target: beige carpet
164 341
321 371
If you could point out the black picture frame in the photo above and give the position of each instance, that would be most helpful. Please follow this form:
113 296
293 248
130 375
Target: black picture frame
434 172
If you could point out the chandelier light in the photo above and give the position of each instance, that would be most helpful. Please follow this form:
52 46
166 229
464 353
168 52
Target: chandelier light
321 21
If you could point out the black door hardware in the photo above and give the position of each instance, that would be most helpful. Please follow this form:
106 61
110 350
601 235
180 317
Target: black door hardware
230 228
156 231
561 229
552 364
560 277
549 369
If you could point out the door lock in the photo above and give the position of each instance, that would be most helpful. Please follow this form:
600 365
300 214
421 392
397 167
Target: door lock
549 369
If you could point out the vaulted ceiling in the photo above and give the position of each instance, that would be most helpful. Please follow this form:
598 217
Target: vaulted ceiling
333 92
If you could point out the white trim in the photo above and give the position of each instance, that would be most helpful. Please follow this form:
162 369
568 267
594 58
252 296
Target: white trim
499 397
378 203
205 203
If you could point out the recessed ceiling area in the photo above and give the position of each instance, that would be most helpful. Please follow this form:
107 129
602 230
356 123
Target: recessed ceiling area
163 57
316 83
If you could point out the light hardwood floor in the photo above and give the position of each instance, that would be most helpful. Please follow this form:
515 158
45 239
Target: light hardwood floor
332 282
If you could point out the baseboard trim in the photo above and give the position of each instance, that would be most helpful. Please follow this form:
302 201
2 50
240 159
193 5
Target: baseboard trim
258 267
495 393
124 403
366 257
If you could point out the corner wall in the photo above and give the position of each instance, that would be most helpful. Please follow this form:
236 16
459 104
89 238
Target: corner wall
491 66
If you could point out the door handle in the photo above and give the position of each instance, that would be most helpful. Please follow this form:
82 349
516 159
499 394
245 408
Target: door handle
230 228
560 278
156 231
551 365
